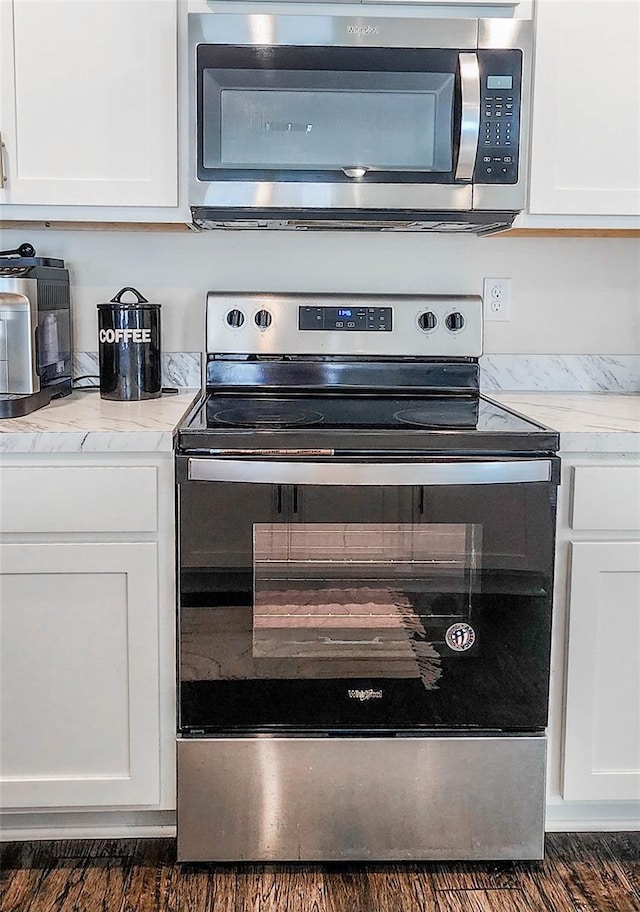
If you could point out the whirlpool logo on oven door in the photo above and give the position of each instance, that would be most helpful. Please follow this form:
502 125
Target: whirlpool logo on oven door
460 637
363 695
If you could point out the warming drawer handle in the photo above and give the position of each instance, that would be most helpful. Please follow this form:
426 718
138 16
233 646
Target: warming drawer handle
470 117
254 471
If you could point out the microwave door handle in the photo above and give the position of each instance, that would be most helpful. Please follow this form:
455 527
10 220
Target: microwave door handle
470 115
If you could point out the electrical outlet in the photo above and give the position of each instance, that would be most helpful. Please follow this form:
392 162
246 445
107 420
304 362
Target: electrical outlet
496 295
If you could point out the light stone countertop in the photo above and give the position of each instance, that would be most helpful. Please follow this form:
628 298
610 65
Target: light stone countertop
85 423
587 422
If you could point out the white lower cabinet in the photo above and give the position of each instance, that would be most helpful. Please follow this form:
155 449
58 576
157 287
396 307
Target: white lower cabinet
602 728
79 651
598 609
87 606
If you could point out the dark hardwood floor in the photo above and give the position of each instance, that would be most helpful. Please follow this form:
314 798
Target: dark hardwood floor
581 873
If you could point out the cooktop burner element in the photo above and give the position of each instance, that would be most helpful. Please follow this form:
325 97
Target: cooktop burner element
428 418
265 415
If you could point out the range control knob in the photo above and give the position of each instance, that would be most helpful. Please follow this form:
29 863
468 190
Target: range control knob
263 319
427 320
454 321
235 318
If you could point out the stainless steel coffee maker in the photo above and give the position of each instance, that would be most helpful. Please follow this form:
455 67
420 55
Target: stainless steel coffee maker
35 331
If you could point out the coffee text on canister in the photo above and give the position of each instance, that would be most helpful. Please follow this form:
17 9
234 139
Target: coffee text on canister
125 335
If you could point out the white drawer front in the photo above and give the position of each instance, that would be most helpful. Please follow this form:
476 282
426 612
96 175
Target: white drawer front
39 499
606 498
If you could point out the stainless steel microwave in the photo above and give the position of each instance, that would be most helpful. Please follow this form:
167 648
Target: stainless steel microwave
337 121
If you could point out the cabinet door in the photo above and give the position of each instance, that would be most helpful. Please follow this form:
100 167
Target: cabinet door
602 734
89 100
79 675
586 131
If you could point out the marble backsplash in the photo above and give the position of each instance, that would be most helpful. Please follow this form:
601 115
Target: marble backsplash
562 373
570 373
179 369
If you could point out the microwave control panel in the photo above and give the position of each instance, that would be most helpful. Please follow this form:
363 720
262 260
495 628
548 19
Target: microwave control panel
498 140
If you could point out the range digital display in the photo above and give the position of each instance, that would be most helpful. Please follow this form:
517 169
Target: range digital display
346 319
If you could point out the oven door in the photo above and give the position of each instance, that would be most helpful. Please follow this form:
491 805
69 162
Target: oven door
351 595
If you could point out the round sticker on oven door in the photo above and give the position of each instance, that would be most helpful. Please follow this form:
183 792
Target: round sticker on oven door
460 637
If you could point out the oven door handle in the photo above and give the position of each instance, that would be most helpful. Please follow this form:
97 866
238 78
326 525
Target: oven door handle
253 471
470 115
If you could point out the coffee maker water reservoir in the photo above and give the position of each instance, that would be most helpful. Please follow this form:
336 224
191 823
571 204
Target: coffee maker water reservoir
35 333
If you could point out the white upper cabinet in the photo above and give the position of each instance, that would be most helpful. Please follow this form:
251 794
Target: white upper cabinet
89 102
585 158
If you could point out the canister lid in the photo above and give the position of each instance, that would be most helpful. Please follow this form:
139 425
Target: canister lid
117 303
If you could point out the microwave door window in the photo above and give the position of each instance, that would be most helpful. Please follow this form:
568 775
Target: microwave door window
304 121
327 130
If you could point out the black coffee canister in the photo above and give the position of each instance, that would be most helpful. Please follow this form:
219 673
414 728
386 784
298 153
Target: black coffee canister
129 348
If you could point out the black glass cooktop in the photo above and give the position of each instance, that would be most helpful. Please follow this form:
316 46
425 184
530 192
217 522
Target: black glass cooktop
345 412
360 422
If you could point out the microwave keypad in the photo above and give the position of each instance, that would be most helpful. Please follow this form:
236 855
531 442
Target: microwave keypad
498 120
498 153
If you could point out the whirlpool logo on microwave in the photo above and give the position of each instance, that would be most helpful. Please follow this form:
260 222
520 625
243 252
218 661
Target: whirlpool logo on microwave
125 335
363 30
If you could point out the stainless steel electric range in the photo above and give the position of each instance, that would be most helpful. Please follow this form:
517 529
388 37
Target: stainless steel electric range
366 552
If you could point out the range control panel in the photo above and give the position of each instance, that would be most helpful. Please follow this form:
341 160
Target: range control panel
346 319
498 141
381 325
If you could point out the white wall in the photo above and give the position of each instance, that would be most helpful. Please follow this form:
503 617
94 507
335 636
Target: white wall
569 295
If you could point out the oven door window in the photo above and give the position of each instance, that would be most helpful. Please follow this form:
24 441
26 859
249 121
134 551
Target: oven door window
362 600
358 607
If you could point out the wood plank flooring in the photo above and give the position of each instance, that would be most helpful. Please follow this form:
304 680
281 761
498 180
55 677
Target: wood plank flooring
582 872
